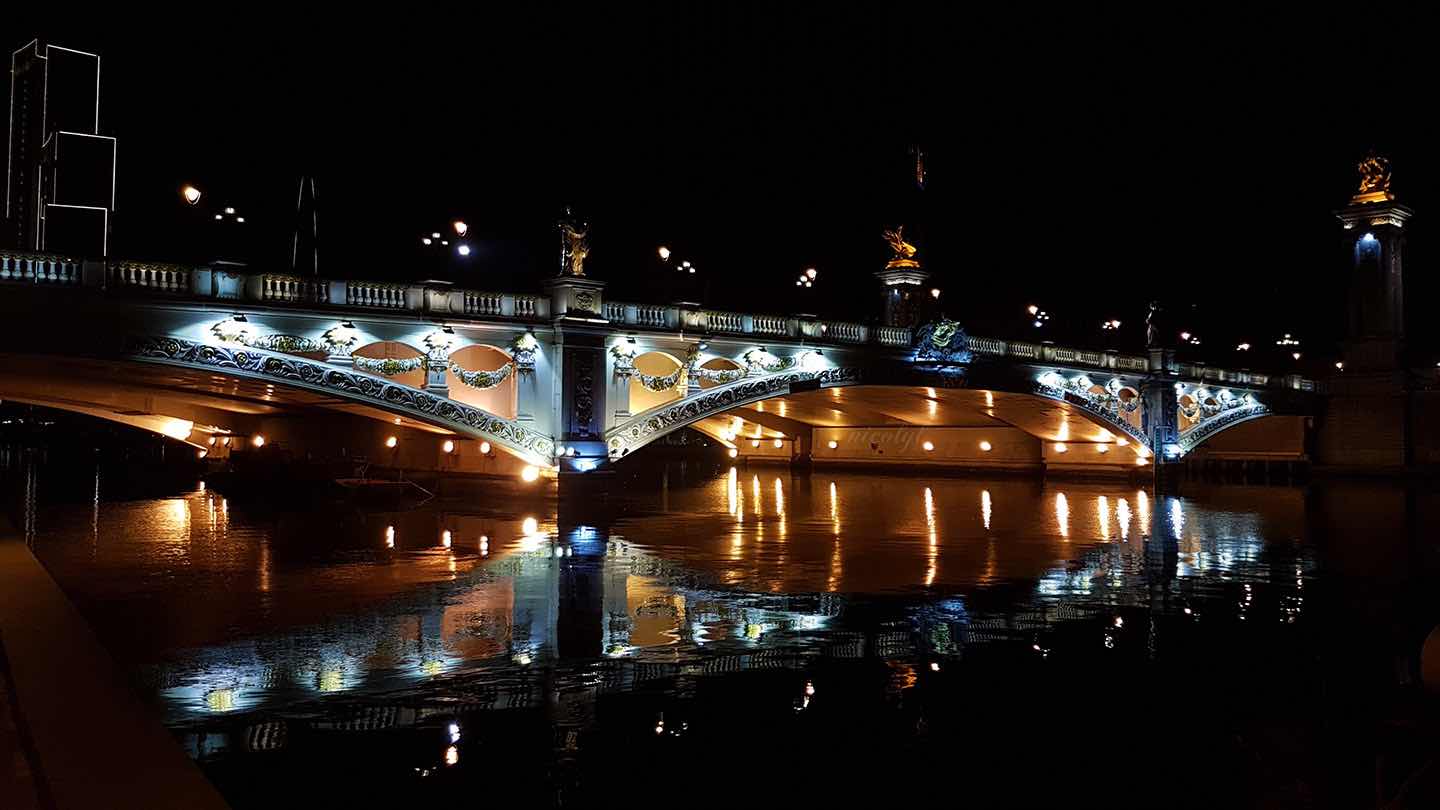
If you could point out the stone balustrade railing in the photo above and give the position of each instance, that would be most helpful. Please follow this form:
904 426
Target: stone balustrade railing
37 268
150 278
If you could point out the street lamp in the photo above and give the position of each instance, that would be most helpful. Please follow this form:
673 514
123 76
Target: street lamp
664 253
463 249
191 194
460 227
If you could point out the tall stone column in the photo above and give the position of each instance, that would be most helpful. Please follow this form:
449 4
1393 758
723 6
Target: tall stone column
1161 415
1367 419
905 283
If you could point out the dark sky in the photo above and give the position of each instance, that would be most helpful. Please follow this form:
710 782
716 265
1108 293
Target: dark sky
1087 163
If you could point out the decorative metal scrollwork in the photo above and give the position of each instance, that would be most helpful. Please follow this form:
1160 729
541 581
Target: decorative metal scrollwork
1207 427
1106 406
383 393
287 344
656 422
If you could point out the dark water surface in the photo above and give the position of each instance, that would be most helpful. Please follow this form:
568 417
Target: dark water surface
755 637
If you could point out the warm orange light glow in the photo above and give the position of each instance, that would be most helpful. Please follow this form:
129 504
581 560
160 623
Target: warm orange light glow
834 444
985 447
485 448
460 227
391 441
211 441
258 440
191 194
778 442
929 446
448 446
1060 447
1102 448
754 442
733 452
1121 442
530 473
445 538
1141 461
202 453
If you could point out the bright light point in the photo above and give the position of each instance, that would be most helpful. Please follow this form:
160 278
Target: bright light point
664 253
778 443
191 194
529 526
435 235
798 283
929 447
391 441
1102 448
240 219
485 448
530 473
230 210
219 216
934 292
463 250
1339 365
934 666
211 441
559 450
811 273
1060 447
452 755
202 453
733 452
445 538
1037 324
257 440
570 451
460 227
1295 355
692 269
448 446
685 264
1032 309
1184 335
754 442
1141 461
833 444
1369 237
985 447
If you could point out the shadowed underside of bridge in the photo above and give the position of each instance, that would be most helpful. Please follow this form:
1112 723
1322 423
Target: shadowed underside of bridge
925 425
221 410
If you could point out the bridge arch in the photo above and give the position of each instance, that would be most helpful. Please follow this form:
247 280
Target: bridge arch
348 386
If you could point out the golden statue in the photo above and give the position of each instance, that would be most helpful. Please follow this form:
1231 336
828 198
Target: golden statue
573 247
1374 180
904 251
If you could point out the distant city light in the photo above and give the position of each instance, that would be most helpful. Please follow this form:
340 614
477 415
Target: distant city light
463 249
811 272
427 240
229 210
1110 325
460 227
1033 310
435 235
1287 340
1295 355
1243 347
1339 365
664 253
240 219
191 194
934 292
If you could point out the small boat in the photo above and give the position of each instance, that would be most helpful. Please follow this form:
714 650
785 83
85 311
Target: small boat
384 492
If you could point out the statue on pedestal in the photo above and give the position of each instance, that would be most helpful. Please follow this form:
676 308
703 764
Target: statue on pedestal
1374 180
573 245
904 251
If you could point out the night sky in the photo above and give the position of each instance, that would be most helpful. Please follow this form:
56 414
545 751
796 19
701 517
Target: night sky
1086 163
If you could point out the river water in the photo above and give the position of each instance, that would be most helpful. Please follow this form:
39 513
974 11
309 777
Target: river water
687 635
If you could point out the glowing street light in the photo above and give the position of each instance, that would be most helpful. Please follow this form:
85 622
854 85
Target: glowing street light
463 249
1243 347
934 292
664 253
1110 325
191 194
460 227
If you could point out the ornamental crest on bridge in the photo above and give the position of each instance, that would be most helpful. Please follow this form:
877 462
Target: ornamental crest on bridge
942 341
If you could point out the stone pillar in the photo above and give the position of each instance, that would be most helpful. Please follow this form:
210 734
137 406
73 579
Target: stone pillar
436 367
1367 420
1160 416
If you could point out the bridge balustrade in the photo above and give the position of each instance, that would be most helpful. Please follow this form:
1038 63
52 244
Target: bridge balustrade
166 278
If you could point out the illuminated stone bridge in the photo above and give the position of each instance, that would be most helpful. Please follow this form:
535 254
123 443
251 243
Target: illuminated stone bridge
431 376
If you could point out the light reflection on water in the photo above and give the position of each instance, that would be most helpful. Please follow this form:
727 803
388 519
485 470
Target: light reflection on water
388 601
237 617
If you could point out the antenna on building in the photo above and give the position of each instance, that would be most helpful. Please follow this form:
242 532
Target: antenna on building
917 157
305 239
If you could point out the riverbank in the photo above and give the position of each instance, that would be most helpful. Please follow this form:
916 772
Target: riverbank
88 740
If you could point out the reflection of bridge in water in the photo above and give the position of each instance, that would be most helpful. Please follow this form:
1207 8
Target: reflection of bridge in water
508 612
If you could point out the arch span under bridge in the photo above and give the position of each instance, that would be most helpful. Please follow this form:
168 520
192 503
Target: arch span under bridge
569 381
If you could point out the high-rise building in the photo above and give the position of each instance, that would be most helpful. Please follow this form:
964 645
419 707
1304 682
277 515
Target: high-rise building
60 171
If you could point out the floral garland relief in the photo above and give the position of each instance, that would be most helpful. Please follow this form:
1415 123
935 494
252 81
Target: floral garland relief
483 379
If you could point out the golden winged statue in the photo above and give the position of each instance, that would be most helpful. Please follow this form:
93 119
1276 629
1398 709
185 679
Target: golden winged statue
904 251
1374 180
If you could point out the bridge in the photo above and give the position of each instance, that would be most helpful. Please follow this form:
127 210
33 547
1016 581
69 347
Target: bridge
433 376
